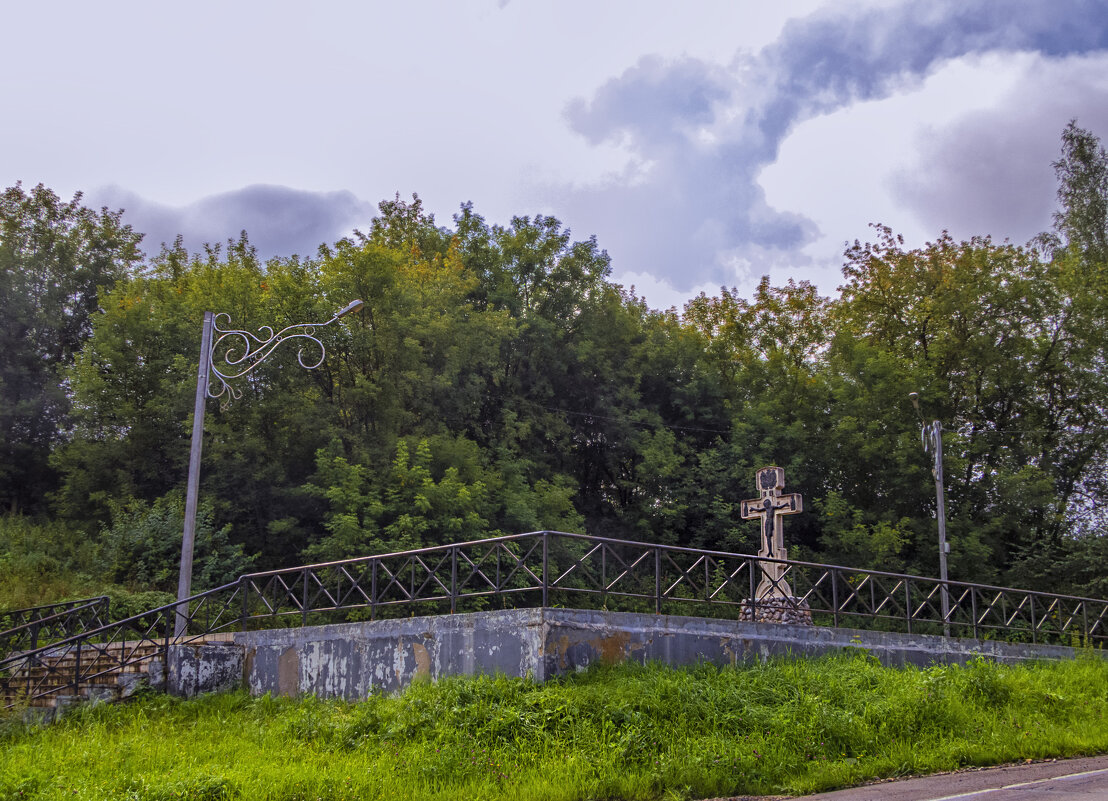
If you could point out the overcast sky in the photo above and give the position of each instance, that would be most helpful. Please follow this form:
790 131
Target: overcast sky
704 144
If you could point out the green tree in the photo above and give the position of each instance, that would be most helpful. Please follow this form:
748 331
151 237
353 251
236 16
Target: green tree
769 356
55 259
1003 348
1082 171
412 505
135 381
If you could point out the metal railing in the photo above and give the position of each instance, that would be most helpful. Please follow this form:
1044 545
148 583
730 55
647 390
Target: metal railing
27 629
76 662
549 568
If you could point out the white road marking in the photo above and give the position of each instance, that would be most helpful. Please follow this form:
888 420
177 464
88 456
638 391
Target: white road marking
1020 784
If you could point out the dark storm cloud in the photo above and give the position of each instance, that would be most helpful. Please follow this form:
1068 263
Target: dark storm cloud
991 171
700 135
678 95
278 220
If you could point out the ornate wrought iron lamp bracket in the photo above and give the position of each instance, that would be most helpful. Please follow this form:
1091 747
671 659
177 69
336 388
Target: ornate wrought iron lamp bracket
242 351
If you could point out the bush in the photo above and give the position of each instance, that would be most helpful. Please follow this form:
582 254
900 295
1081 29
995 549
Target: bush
42 563
142 548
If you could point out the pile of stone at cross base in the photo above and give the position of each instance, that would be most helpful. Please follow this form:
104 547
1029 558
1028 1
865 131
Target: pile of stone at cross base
789 609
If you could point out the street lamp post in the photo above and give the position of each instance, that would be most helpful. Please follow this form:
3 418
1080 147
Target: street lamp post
932 436
244 351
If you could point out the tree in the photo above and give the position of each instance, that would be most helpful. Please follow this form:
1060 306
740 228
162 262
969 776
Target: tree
1082 174
1079 248
1006 351
55 260
769 356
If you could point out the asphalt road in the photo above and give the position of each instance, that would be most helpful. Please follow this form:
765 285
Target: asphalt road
1078 779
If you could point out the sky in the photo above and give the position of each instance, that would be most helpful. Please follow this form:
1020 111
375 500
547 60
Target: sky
703 144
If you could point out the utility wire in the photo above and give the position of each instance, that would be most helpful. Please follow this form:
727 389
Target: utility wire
727 432
626 419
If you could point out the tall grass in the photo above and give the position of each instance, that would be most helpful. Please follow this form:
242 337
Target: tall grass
629 732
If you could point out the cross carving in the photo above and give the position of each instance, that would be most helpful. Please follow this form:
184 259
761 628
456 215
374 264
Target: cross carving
771 507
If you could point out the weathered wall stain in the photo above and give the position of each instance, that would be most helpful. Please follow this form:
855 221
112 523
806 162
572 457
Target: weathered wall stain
560 652
422 660
288 672
614 648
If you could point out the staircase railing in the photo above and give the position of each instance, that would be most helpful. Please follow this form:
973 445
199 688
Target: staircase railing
76 661
550 568
27 629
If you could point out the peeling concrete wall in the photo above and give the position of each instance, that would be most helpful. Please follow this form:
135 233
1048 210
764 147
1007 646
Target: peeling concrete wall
574 639
352 660
204 668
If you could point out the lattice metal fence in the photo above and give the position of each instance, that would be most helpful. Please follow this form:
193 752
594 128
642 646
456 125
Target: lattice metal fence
550 568
27 629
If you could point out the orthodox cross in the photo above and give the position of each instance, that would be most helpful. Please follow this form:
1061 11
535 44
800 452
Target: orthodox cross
771 507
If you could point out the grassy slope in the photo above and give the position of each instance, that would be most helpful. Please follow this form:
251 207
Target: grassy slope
628 732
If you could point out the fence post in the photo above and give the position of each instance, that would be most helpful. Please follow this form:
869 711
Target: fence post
1034 633
657 581
545 569
77 669
454 579
373 590
946 602
908 603
753 589
834 597
170 632
603 576
973 606
245 609
304 597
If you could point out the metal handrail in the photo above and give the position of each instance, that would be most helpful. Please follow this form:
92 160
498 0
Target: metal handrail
100 640
40 620
33 613
29 612
416 552
543 567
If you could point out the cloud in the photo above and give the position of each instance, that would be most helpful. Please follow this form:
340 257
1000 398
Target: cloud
990 172
279 221
654 103
697 135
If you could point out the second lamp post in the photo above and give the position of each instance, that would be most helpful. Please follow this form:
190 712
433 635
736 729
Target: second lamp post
932 436
244 352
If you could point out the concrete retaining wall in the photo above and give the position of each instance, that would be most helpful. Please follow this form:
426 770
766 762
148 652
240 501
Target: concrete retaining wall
351 660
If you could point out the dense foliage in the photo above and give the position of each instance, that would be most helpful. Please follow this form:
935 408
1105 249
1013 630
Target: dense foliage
497 382
631 732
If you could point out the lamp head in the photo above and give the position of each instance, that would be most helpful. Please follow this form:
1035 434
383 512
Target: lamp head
914 397
352 306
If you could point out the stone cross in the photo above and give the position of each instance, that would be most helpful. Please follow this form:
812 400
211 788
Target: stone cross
771 507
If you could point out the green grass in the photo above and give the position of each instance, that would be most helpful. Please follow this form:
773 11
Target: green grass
630 732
